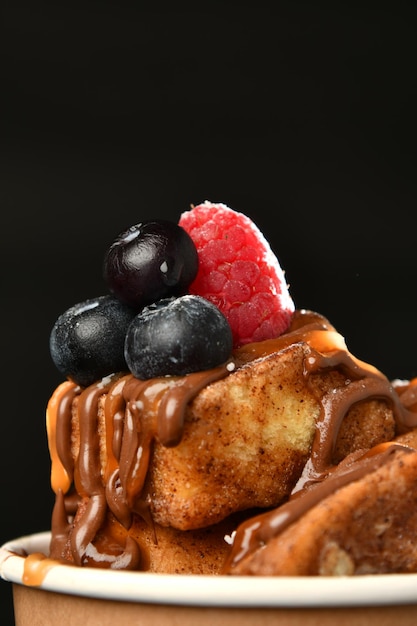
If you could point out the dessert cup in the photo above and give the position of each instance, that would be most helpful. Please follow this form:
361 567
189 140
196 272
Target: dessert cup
67 595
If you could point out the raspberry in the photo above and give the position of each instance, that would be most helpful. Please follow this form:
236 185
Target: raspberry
238 272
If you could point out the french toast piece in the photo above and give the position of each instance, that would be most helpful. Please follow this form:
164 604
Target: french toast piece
366 527
161 549
247 438
245 441
172 551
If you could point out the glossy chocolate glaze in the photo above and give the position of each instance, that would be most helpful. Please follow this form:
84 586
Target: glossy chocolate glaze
138 412
135 413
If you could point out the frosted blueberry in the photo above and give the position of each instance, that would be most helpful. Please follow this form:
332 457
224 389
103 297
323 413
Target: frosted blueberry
87 341
177 336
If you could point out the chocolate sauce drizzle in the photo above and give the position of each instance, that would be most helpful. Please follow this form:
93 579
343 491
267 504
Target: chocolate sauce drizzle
136 413
256 532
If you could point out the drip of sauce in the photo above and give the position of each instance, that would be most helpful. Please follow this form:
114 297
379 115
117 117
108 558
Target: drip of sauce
138 412
59 411
36 566
135 413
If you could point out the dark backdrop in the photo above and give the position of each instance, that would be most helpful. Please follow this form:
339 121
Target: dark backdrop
302 118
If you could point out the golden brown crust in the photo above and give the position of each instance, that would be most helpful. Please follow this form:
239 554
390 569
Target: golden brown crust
365 425
247 438
163 550
172 551
245 442
366 527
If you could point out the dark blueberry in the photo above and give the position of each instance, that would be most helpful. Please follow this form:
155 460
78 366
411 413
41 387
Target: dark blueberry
87 341
149 261
177 336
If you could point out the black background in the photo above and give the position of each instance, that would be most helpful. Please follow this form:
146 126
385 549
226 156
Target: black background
302 117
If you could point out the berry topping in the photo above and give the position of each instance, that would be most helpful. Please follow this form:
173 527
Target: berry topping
87 341
238 272
149 261
177 336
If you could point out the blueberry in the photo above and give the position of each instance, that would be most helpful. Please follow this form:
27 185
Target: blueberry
87 341
149 261
177 336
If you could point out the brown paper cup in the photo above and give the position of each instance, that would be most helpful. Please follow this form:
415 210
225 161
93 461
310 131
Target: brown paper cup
68 595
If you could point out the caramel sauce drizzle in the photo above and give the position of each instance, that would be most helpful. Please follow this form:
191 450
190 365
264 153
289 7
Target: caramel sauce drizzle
138 412
36 566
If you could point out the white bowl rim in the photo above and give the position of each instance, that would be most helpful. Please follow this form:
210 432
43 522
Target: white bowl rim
201 590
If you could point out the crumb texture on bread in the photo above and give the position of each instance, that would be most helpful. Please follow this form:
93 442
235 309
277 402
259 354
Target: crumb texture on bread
366 527
187 454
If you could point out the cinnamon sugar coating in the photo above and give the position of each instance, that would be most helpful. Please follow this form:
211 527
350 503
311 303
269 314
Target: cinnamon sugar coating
366 527
143 469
